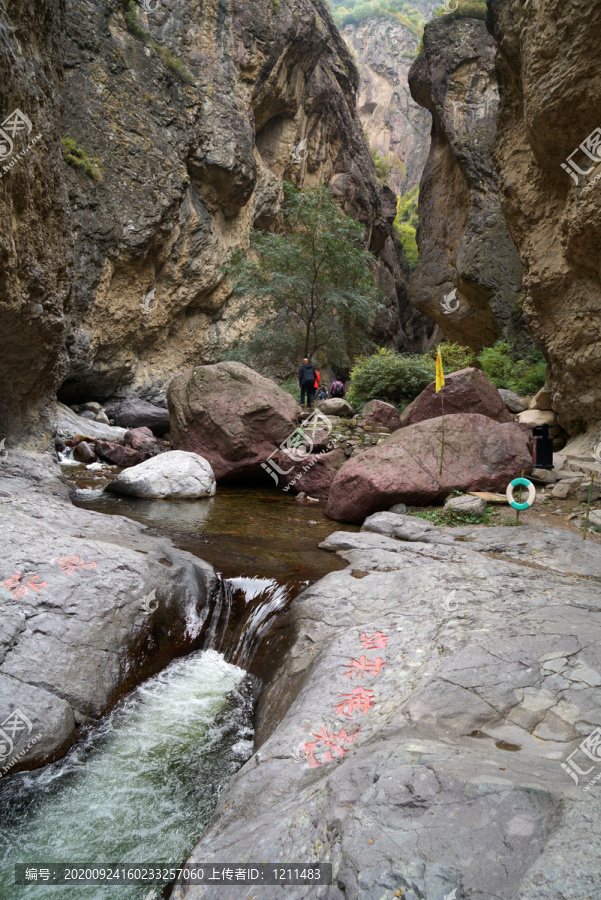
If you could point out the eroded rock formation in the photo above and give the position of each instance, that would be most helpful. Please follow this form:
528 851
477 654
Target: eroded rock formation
549 103
466 254
383 50
190 167
35 231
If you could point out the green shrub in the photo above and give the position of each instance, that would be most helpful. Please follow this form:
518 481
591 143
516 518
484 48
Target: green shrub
454 356
382 166
389 376
466 9
505 369
75 156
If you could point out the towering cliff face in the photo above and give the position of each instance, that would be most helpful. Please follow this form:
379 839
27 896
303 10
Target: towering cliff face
35 240
190 167
550 103
463 240
383 50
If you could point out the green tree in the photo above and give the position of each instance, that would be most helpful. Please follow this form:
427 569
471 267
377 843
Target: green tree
308 290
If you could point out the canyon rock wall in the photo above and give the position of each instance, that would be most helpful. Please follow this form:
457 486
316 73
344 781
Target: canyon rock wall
465 249
550 103
398 129
35 238
191 161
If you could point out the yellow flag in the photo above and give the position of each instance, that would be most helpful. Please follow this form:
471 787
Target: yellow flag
439 372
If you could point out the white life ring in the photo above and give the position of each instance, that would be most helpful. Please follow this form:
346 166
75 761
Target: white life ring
531 493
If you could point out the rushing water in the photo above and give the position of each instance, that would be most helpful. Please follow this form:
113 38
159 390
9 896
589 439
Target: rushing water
142 785
140 788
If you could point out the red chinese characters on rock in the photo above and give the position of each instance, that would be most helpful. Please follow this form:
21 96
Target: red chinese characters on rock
332 743
363 665
361 700
73 563
377 641
18 588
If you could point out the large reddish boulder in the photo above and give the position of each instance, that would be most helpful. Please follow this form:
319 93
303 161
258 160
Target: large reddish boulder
465 391
118 455
142 439
479 455
376 412
313 475
230 415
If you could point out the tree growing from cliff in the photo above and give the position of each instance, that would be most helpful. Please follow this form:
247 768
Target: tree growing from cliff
308 290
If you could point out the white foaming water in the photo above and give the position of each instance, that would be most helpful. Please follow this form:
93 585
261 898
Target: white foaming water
140 788
261 617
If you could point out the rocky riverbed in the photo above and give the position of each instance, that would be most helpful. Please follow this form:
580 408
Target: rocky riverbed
433 691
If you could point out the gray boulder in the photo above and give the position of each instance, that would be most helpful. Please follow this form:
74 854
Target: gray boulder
134 413
474 506
513 401
336 406
398 508
175 475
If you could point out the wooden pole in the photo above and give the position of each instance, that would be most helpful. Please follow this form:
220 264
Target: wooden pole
588 506
442 448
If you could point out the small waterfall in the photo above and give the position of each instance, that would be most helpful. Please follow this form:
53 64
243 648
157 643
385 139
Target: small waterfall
263 598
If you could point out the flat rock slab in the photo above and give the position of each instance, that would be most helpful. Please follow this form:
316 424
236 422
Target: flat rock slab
89 604
430 694
69 424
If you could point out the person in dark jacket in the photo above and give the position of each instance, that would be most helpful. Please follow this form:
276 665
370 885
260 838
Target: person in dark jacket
306 380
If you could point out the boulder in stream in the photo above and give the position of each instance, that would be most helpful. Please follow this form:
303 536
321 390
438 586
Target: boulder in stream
232 416
175 475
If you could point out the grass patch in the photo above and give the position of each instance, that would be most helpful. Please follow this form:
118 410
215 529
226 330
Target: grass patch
170 60
76 156
451 517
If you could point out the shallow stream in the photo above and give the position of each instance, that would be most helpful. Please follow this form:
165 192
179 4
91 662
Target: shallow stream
141 785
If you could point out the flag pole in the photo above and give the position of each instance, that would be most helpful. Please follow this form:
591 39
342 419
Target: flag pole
442 448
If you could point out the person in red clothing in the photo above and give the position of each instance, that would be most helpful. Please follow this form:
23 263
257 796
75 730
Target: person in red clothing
317 380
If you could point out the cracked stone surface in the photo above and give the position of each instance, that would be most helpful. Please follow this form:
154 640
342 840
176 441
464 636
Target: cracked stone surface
450 777
74 635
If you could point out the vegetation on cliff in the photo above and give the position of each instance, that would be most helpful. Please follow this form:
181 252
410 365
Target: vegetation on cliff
352 12
172 62
77 157
405 224
309 290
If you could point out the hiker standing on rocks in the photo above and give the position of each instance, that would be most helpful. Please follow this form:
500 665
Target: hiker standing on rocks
337 388
306 380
